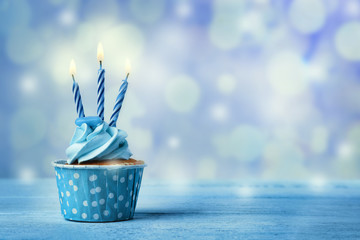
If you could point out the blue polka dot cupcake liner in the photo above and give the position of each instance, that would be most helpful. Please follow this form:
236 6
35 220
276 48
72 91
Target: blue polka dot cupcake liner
98 193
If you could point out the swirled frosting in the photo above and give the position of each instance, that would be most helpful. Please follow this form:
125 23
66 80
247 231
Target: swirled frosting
94 139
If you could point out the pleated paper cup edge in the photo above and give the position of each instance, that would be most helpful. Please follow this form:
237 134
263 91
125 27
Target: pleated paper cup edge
62 164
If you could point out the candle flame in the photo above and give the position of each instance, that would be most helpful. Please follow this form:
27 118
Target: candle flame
72 68
127 66
100 52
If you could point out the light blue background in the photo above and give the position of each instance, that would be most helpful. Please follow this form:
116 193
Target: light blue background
218 89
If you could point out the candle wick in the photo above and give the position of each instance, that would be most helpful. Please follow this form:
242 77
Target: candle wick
100 64
127 76
72 75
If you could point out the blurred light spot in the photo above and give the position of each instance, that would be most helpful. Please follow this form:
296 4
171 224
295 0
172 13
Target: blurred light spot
284 160
219 112
319 140
316 73
245 191
26 175
224 30
176 169
287 74
182 94
183 9
307 16
169 36
141 139
28 127
245 143
23 46
173 142
318 181
345 151
126 41
226 83
67 18
28 84
148 11
352 8
262 2
207 168
252 24
347 40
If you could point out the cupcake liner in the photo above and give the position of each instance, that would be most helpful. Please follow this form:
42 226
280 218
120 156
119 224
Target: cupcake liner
98 193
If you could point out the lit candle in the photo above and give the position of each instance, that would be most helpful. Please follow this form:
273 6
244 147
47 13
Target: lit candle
100 83
120 97
76 90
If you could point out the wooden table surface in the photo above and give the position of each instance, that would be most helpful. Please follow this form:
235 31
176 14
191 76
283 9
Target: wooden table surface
201 210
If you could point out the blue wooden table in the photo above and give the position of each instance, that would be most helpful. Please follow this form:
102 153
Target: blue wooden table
202 210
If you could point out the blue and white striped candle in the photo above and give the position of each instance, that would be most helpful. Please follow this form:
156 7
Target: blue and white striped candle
100 83
118 103
76 91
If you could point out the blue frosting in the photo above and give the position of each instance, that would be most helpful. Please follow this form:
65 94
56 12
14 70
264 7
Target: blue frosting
94 139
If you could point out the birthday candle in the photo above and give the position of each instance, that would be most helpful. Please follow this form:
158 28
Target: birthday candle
120 97
100 83
76 91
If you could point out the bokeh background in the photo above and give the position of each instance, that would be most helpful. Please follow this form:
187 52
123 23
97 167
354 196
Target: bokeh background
218 90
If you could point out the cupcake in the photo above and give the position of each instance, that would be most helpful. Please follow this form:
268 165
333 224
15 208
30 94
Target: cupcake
99 181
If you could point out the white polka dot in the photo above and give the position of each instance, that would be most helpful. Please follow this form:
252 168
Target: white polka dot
121 197
122 179
115 177
61 201
94 204
84 215
98 189
120 215
102 201
64 211
67 193
85 203
76 175
59 177
71 182
115 206
131 193
111 195
130 177
106 213
74 211
55 173
92 178
127 204
75 188
92 191
62 194
96 216
67 203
